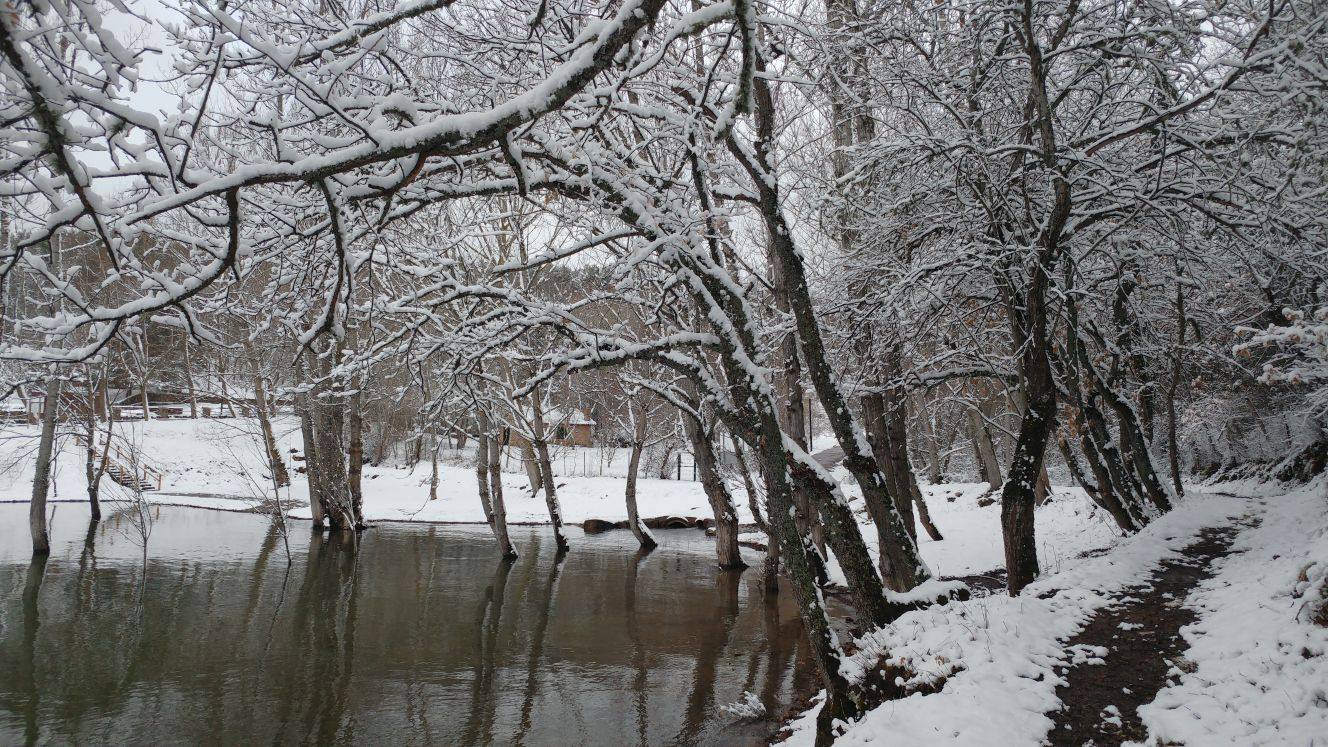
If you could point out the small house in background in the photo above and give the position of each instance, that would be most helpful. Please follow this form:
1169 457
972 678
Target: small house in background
27 403
170 404
575 428
563 428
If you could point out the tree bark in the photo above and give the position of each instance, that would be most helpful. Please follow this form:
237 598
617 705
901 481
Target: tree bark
355 453
984 448
433 468
770 566
530 462
94 470
482 465
311 471
264 414
793 413
721 501
495 452
638 527
41 477
330 457
874 416
794 552
546 471
189 380
1173 445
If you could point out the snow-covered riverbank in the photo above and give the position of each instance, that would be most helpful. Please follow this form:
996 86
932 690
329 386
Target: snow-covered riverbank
216 464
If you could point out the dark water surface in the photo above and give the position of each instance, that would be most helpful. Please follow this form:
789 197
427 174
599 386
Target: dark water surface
419 637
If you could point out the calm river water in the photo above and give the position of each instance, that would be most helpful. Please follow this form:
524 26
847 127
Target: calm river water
419 637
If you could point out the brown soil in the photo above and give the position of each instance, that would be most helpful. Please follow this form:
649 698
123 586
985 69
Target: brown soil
1101 700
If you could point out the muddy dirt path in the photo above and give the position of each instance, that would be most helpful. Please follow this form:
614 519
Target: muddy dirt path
1122 658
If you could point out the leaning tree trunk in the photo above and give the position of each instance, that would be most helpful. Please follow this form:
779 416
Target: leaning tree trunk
482 467
896 421
530 462
1139 464
721 501
495 452
546 471
41 477
264 414
793 414
770 566
901 562
795 549
638 527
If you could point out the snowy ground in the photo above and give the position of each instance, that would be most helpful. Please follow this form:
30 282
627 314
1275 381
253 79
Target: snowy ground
217 464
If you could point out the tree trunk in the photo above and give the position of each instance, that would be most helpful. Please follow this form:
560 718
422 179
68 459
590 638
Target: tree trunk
143 395
1173 445
901 562
546 471
638 527
189 380
92 468
1037 422
896 421
355 454
482 467
721 501
984 449
794 551
664 465
924 516
495 452
530 461
41 476
331 459
934 476
1018 497
1134 441
263 411
875 416
770 566
793 413
311 471
433 468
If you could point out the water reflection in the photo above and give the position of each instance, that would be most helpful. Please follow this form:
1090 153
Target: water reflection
419 636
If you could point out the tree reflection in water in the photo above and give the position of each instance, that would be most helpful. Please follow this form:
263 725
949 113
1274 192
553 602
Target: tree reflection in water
418 635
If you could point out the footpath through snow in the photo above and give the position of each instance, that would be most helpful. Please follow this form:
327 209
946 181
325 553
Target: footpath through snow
1233 649
1257 663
